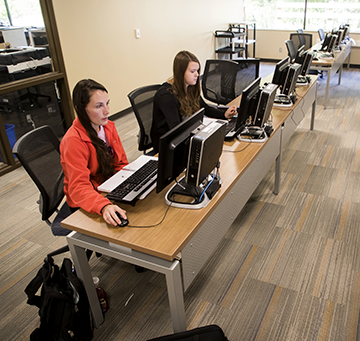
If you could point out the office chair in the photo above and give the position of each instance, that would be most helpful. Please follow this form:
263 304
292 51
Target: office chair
141 100
321 34
39 154
247 71
301 39
291 49
218 81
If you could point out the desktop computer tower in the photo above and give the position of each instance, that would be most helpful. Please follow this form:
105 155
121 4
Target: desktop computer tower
291 78
205 149
265 105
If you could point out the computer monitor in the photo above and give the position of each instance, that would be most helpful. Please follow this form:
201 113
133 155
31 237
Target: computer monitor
300 54
326 42
174 149
340 37
346 30
279 73
332 43
248 103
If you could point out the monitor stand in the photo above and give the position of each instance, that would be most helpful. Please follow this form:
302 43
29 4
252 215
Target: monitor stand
183 195
253 134
283 101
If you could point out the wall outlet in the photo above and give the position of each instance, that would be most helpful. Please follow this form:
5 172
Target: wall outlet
28 118
137 33
280 49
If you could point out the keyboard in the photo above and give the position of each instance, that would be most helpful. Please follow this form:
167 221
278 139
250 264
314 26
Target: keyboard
230 126
136 184
320 55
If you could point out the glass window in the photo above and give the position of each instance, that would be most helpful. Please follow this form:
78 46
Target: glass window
4 19
25 13
291 14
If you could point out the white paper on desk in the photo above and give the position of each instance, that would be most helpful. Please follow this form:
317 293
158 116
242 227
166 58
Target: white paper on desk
124 173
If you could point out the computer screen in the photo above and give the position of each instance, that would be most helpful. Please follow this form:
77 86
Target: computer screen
340 36
247 104
300 54
174 149
346 30
326 42
332 43
280 71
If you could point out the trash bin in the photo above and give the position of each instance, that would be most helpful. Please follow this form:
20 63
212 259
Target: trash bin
10 131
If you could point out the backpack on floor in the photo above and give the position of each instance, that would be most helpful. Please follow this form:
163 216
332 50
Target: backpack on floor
63 304
206 333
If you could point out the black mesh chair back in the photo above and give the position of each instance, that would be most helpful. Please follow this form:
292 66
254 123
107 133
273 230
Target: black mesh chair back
247 71
291 49
38 152
301 39
141 100
321 34
218 81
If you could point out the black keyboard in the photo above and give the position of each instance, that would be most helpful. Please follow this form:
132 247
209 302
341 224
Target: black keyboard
230 126
135 184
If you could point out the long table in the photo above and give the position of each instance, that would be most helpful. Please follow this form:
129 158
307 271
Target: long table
332 65
184 241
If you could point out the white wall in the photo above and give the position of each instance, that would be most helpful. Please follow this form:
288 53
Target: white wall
98 39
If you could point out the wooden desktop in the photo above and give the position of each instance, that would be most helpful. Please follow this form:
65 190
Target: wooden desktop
182 243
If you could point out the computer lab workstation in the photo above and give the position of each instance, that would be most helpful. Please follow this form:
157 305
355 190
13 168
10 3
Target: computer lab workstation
203 174
328 55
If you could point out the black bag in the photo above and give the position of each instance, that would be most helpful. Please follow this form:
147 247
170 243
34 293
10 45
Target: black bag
63 304
206 333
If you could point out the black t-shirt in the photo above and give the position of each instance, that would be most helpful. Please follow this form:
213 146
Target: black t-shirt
166 113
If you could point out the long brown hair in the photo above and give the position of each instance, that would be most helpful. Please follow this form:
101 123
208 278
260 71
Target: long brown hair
188 97
82 93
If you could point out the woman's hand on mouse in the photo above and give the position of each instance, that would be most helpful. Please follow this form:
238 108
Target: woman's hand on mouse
109 214
231 112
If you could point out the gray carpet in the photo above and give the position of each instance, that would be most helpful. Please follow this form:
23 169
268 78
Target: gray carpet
288 268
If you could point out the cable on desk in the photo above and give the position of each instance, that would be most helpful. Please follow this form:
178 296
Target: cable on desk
147 226
237 151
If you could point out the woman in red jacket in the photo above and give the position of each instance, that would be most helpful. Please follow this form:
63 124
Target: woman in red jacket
91 152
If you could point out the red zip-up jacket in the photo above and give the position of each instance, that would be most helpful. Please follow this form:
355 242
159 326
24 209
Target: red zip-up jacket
79 163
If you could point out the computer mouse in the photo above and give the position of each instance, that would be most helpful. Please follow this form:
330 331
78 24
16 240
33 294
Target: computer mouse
124 222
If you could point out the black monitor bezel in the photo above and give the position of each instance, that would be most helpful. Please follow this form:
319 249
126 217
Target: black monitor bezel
325 43
246 109
172 143
332 43
278 73
300 53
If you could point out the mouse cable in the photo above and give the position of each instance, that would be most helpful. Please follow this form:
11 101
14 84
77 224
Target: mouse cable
147 226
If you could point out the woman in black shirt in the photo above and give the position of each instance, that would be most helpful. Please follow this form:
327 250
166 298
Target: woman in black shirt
180 98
